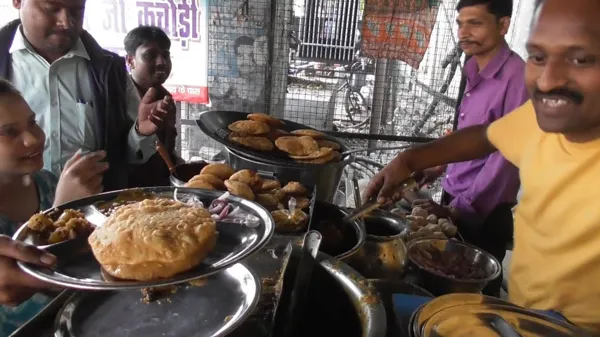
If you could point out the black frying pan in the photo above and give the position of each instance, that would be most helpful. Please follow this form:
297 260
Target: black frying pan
215 125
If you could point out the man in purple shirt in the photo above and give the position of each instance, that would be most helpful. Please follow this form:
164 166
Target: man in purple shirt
480 194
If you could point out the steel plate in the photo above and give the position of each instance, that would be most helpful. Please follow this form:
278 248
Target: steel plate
215 125
215 308
234 243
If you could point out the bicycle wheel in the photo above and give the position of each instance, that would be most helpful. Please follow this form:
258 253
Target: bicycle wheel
355 103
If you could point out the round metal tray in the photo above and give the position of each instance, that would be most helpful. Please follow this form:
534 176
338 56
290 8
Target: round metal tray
215 125
81 271
215 308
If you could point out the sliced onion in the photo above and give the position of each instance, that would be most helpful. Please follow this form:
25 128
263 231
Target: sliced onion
225 211
236 212
224 196
216 206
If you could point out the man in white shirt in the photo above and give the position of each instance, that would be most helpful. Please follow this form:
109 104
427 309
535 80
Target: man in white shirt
77 89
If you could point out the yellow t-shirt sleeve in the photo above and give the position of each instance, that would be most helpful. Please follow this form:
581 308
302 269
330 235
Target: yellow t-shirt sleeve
509 133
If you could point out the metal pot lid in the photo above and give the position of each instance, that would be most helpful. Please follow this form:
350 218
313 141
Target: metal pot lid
215 125
235 242
214 308
478 315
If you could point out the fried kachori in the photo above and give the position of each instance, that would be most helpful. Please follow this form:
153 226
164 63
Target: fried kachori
333 156
297 146
249 127
302 203
289 222
329 144
215 181
267 200
320 153
269 184
153 239
310 133
264 118
222 171
239 189
248 177
294 188
200 184
274 134
255 143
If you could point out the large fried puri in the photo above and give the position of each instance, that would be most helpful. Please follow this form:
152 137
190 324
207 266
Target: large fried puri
255 143
310 133
329 144
249 178
222 171
297 146
249 127
240 189
153 239
264 118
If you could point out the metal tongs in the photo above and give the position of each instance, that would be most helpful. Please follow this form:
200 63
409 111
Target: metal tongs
406 187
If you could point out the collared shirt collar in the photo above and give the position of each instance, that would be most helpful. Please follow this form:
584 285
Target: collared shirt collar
20 43
492 68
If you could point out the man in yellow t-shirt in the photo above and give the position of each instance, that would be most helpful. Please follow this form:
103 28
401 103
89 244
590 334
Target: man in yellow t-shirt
554 139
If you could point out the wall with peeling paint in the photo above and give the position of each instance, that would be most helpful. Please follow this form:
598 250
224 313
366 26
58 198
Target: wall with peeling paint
238 54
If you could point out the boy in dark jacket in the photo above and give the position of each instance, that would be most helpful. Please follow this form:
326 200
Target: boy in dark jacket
149 60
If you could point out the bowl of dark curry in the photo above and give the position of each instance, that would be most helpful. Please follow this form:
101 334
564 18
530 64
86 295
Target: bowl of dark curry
449 266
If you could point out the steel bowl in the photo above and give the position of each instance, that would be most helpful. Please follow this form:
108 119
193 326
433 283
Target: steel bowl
184 172
384 253
440 284
341 240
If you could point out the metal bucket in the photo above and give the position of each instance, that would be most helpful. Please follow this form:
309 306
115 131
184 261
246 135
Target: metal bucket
325 177
340 301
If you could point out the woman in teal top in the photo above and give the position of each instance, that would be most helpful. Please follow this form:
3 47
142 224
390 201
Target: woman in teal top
26 189
12 318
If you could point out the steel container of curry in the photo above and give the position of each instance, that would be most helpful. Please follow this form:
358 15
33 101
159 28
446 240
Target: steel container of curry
384 253
341 240
439 283
325 177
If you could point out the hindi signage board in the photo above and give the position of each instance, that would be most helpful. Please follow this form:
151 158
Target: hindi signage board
184 21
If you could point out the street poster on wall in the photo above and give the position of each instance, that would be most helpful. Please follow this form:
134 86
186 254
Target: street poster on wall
184 21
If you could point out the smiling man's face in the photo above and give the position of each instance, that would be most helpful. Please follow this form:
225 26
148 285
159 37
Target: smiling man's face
563 68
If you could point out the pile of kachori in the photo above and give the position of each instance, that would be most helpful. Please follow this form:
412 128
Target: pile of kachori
153 239
249 185
262 132
309 147
258 132
69 225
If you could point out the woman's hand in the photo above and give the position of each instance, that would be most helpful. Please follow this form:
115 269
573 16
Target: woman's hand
17 286
81 177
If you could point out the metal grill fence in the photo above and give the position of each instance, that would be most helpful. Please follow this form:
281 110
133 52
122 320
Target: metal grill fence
281 57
